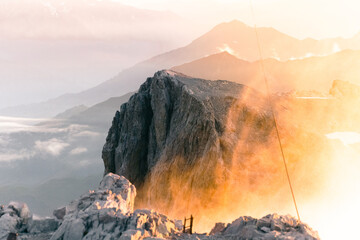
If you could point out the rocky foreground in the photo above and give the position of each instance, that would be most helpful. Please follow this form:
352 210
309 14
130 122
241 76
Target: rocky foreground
107 213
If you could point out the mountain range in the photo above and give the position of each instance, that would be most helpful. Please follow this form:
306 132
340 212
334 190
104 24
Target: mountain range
67 46
233 37
312 73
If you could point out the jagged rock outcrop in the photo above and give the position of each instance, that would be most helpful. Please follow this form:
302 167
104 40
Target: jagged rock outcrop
174 115
182 131
272 226
104 213
208 148
17 221
13 218
107 213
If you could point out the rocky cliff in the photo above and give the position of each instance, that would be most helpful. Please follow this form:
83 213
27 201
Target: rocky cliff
174 116
193 146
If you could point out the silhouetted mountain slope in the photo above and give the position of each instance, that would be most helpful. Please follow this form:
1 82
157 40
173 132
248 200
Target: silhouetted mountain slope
313 73
235 37
71 112
100 114
67 46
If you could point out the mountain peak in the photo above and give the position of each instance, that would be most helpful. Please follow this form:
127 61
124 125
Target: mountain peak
236 22
224 53
234 25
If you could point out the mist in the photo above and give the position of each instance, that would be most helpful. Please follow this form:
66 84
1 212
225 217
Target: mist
66 68
50 48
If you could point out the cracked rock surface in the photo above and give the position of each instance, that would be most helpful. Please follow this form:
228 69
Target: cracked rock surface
107 213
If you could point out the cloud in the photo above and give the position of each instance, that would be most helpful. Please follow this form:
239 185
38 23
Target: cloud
15 124
3 141
53 146
86 134
9 125
15 155
78 150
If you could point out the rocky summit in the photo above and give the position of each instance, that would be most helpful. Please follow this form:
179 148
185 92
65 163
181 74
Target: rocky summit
107 213
173 115
104 213
181 131
208 148
272 226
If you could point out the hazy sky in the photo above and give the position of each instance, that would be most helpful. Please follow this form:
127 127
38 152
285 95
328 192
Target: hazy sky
52 47
70 45
299 18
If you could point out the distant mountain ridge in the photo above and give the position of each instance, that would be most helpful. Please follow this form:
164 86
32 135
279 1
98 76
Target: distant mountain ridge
234 37
53 47
313 73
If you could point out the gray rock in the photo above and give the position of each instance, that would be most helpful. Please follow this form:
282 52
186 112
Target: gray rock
8 224
44 225
265 229
14 218
263 222
218 228
131 234
60 213
248 228
75 230
38 236
175 124
107 213
21 209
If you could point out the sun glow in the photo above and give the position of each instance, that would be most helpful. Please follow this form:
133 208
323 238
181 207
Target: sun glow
347 138
226 48
248 179
334 211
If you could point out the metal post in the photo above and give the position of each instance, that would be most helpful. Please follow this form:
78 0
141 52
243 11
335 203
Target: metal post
191 223
184 225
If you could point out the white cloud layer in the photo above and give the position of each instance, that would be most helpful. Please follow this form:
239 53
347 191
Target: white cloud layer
53 146
78 150
12 156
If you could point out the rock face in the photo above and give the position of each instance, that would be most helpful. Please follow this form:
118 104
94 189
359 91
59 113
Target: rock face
208 148
171 115
16 222
182 131
107 213
13 218
104 213
269 227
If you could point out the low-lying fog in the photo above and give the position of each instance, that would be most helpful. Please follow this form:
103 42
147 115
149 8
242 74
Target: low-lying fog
46 163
